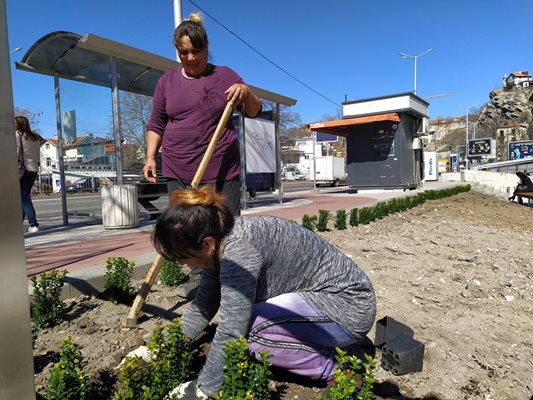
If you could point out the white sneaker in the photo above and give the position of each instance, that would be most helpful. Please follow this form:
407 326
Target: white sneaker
33 229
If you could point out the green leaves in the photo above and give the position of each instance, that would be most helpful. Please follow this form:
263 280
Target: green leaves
117 279
353 378
47 310
68 380
244 378
171 273
170 366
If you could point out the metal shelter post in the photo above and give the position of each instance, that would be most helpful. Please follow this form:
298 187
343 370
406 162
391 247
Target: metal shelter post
60 151
242 145
314 160
278 183
116 120
16 355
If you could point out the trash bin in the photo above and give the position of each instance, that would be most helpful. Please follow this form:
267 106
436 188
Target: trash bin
119 206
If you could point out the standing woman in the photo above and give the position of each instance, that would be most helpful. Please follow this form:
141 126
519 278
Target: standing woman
187 106
28 150
281 286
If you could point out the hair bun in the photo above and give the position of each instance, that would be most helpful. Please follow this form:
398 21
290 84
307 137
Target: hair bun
203 196
196 18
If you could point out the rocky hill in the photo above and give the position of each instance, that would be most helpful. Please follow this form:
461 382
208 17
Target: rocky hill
515 104
507 117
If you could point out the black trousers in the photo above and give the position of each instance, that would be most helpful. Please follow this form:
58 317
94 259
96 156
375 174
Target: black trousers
230 189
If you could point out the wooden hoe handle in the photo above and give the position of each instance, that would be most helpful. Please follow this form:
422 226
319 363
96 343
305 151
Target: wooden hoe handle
149 280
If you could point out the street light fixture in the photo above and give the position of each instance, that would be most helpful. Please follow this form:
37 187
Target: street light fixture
15 50
403 55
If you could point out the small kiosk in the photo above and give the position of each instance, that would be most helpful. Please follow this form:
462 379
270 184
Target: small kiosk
382 140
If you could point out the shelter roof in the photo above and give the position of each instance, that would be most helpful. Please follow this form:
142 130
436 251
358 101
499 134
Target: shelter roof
86 59
340 127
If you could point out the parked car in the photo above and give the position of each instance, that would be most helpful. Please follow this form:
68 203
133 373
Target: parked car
288 176
299 176
89 184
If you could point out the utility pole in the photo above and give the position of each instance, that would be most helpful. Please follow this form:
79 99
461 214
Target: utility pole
178 18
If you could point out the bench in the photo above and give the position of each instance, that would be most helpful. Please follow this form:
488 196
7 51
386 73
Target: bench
526 195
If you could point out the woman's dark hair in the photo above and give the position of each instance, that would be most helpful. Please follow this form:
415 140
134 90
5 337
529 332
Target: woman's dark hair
193 214
194 29
22 124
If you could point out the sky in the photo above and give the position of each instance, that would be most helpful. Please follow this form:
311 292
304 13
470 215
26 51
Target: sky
341 49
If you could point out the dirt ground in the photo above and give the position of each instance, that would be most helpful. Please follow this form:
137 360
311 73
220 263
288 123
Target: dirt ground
458 271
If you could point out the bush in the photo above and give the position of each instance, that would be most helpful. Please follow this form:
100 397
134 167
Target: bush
354 217
340 220
117 279
171 273
47 310
309 222
323 218
353 378
171 366
380 210
68 380
366 215
244 378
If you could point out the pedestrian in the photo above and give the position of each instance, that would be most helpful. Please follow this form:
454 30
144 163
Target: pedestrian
28 151
279 285
187 105
525 185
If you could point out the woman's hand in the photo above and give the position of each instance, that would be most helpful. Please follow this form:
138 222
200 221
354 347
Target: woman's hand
150 171
237 93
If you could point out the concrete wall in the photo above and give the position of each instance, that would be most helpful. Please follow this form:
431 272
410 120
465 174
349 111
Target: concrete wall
497 183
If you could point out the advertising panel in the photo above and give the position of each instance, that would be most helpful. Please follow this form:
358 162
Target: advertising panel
519 150
260 145
326 137
482 148
431 172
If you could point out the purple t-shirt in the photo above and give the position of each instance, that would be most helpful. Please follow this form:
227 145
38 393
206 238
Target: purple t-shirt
185 112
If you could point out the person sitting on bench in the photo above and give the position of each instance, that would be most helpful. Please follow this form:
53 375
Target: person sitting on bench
525 185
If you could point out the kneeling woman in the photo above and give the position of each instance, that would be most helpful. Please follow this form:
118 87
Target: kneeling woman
277 284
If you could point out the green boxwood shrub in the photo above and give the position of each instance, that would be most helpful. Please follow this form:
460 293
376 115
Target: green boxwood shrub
309 222
117 279
244 378
354 378
323 219
68 380
354 217
170 366
171 273
340 220
47 309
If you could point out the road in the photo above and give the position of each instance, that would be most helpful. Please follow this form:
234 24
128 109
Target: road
82 203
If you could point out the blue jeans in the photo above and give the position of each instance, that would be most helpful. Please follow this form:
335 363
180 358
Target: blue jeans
26 183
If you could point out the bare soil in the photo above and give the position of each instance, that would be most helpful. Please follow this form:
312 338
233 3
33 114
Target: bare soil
458 271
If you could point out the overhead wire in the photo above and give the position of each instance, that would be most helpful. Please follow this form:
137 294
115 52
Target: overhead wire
263 56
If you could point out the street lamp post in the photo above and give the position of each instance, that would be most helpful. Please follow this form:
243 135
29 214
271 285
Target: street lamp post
403 55
15 50
466 153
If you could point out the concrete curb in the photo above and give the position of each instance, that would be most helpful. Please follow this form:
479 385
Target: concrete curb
90 281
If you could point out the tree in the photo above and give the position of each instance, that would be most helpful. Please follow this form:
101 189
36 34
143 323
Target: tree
33 117
288 118
134 114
